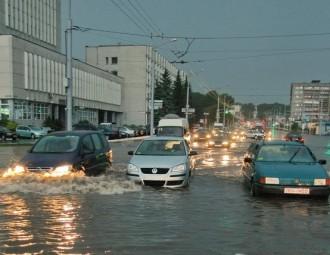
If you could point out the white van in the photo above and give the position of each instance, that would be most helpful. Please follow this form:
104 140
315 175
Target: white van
174 127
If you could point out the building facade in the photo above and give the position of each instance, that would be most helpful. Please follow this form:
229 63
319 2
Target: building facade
38 21
137 64
32 70
310 101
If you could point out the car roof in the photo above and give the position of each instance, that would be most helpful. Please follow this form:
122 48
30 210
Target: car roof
75 132
164 138
280 142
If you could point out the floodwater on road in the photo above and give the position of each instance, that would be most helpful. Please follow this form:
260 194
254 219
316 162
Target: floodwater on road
109 215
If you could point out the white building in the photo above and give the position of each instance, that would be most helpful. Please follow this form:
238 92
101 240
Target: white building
32 71
310 101
134 64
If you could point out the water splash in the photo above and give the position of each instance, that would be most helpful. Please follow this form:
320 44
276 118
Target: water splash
72 184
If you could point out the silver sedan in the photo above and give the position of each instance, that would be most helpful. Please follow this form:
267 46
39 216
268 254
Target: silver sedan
162 161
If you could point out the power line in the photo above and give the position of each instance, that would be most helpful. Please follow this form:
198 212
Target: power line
163 36
127 15
248 57
148 16
254 50
140 12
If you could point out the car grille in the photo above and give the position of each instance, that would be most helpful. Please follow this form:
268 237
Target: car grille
39 169
154 183
159 170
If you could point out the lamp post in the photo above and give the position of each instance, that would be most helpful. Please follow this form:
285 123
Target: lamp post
153 78
68 33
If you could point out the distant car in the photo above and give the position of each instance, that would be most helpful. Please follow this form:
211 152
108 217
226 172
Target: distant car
255 134
126 132
30 132
287 168
219 139
5 133
162 161
294 136
201 138
61 153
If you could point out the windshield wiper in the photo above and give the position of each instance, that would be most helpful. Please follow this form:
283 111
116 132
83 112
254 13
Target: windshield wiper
294 155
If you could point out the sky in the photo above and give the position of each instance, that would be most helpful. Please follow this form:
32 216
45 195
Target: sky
291 40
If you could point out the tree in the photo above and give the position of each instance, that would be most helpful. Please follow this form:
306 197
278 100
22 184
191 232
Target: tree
247 110
164 91
178 94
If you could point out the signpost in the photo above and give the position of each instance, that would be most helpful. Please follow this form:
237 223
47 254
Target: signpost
190 110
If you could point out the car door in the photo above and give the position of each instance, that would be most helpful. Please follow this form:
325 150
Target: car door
100 152
88 155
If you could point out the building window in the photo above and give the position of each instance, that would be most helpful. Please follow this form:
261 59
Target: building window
23 110
4 109
107 60
40 111
114 60
114 72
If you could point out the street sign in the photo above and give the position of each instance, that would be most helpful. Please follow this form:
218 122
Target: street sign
158 104
190 110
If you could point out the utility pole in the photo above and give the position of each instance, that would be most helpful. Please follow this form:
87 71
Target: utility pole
69 100
224 110
152 91
187 102
218 111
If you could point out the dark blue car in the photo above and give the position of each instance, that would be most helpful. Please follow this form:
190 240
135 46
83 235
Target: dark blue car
288 168
61 153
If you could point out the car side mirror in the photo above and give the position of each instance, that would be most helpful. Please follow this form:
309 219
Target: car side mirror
322 162
130 153
247 160
193 153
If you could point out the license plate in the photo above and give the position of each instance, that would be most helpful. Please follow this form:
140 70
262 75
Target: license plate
298 191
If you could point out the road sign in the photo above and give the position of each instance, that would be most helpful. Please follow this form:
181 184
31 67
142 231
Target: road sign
190 110
158 104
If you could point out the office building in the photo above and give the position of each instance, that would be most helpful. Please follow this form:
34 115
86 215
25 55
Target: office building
135 64
32 70
310 101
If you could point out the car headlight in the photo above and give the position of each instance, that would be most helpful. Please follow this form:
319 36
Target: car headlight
195 136
211 142
132 169
60 171
15 170
225 143
208 136
179 168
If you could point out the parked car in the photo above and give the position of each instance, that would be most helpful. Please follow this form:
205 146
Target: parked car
288 168
5 133
294 136
162 161
61 153
126 132
30 132
110 131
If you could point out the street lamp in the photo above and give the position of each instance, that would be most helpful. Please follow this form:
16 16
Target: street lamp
153 73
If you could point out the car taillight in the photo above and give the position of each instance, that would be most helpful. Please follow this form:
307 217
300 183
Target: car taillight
327 181
269 180
262 180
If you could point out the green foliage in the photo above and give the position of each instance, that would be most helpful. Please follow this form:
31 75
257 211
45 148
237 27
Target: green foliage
247 110
178 95
265 110
53 124
295 127
11 125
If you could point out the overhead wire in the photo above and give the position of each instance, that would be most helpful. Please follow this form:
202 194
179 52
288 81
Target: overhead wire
127 15
143 16
148 16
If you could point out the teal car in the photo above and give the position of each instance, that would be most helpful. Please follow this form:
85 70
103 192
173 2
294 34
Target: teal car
287 168
30 132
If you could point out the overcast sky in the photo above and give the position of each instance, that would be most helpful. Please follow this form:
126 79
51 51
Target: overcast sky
252 70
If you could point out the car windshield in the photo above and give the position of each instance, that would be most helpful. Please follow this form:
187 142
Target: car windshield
162 148
56 144
285 153
170 131
35 129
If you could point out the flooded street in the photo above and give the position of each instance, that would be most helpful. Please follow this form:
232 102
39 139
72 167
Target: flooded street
109 215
